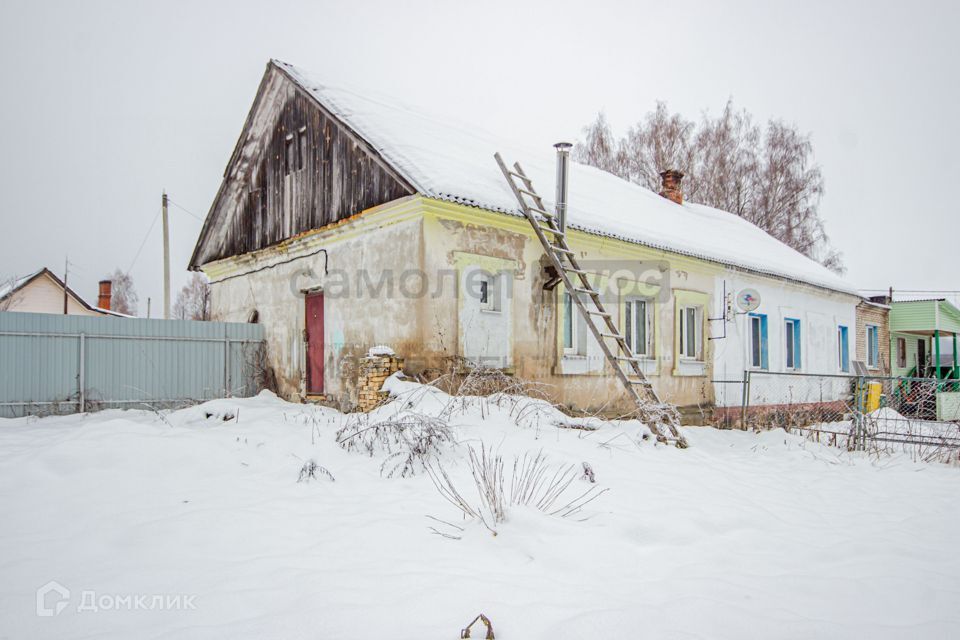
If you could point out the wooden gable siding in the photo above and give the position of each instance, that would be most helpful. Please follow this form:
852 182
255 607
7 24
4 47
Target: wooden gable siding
265 204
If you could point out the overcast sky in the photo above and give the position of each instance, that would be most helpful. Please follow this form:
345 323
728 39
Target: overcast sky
108 103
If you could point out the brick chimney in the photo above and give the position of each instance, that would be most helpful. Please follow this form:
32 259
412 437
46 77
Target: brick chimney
670 187
106 292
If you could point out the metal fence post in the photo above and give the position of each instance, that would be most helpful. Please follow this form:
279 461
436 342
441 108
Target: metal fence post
859 442
82 374
226 366
745 402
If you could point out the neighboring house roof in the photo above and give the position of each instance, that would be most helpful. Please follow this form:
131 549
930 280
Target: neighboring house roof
924 316
453 161
19 283
9 287
877 305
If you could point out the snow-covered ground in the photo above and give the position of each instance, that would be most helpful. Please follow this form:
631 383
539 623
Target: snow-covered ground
198 514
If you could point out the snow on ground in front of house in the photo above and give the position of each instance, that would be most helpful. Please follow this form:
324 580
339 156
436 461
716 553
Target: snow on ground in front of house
741 536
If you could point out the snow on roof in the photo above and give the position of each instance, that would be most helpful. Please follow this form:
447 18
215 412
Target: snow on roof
14 284
453 161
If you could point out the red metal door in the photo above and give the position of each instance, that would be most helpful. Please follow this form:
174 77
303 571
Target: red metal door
315 343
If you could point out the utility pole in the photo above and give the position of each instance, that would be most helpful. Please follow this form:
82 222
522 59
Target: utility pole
166 260
66 272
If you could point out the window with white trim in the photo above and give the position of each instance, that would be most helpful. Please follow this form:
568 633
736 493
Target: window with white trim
791 332
489 291
843 349
873 346
638 321
758 341
570 341
691 332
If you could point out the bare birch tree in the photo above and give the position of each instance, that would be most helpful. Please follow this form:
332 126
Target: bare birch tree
123 298
600 147
7 293
660 141
765 175
193 301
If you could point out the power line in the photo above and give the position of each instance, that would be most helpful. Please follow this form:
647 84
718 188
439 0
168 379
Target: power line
184 209
144 242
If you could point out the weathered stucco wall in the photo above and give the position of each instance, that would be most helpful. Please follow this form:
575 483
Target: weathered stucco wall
411 267
459 237
362 254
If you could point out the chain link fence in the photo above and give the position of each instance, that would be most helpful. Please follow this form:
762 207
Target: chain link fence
920 416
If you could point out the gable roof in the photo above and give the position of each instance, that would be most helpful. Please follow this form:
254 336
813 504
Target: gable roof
225 230
453 161
19 283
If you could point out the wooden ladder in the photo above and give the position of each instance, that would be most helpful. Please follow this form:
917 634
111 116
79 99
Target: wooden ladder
660 416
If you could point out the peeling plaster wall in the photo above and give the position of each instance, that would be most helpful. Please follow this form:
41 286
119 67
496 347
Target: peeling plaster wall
452 231
442 241
361 253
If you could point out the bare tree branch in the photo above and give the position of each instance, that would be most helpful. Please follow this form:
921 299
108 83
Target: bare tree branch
767 176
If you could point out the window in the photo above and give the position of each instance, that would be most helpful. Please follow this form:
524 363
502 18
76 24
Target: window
302 147
873 346
295 151
791 330
489 291
902 353
691 332
570 342
289 154
843 347
758 341
638 321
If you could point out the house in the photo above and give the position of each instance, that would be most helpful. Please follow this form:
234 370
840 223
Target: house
43 292
873 335
346 220
923 338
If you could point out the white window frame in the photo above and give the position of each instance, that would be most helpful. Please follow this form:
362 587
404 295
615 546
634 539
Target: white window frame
756 348
631 305
841 355
569 313
790 343
489 292
697 309
876 362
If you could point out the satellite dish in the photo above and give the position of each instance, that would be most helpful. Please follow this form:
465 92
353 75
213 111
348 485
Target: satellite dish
748 300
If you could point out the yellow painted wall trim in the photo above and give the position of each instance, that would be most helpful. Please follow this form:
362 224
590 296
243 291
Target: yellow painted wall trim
685 298
615 247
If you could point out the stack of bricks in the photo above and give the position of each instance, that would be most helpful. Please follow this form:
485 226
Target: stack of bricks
374 371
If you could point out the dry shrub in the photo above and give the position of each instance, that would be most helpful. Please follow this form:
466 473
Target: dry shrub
409 439
310 470
532 482
462 377
475 386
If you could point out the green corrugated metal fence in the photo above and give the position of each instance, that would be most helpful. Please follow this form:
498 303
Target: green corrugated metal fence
63 364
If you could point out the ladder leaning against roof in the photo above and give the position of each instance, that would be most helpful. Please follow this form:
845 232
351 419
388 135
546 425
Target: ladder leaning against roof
660 416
